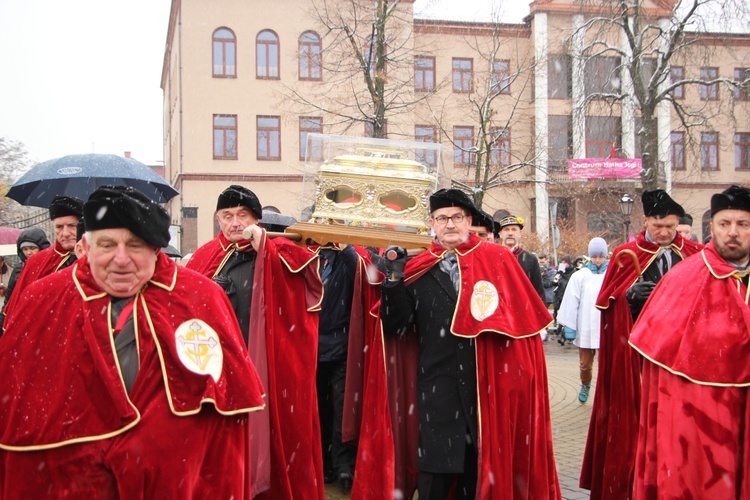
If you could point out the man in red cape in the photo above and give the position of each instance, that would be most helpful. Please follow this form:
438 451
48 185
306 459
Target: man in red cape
275 292
478 375
695 337
124 377
634 269
65 212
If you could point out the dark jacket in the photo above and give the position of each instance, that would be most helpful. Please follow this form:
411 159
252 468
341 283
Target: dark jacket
36 236
548 278
530 265
337 270
446 385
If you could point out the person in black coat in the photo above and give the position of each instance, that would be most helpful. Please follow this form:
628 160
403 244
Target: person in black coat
29 242
338 267
447 383
510 236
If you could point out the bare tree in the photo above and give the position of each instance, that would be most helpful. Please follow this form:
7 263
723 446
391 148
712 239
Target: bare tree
646 49
367 63
14 162
497 99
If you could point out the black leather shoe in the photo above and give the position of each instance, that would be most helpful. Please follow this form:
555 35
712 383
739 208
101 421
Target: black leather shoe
346 481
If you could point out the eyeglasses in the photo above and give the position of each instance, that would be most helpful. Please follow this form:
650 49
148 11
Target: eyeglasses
442 220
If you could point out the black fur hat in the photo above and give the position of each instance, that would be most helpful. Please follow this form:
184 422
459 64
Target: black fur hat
125 207
62 206
239 196
658 203
733 197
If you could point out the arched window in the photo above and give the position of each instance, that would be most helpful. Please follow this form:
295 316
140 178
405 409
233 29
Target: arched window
267 55
224 53
309 56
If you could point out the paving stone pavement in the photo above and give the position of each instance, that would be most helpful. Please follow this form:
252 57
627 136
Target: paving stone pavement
570 419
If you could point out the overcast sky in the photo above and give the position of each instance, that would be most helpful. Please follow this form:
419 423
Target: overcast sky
82 76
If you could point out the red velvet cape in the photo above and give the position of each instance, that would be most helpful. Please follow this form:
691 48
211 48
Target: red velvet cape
284 347
63 340
39 265
516 458
693 433
609 455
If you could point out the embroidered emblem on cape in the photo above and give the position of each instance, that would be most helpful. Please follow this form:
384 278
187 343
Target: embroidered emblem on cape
484 300
199 348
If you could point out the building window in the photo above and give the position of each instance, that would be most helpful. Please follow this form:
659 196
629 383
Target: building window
602 134
742 78
225 137
559 142
709 151
677 74
424 74
602 75
425 133
269 137
500 148
648 68
709 92
677 148
559 74
310 49
462 72
267 55
501 77
742 151
463 144
310 125
638 143
224 53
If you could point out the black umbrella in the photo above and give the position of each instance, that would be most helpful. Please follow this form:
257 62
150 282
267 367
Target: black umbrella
80 175
276 222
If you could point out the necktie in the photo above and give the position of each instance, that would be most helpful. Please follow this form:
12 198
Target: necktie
449 265
664 262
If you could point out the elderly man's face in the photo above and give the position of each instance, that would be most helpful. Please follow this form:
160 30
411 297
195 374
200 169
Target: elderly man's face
731 235
449 230
121 262
232 221
65 231
662 229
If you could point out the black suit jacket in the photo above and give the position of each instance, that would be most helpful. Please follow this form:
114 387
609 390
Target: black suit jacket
446 377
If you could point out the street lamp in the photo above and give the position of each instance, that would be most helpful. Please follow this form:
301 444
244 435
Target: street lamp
626 208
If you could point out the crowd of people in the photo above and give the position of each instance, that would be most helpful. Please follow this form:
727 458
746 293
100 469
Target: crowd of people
267 369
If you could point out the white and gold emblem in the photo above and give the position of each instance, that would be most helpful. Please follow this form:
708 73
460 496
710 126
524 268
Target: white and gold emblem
484 300
199 348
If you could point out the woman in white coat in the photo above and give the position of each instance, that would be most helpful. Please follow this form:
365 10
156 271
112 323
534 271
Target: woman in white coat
579 313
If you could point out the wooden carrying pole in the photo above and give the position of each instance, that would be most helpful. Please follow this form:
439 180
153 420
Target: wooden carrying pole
305 233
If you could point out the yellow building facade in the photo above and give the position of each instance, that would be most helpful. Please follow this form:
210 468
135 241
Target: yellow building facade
245 82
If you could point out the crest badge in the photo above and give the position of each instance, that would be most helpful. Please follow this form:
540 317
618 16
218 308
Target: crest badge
484 300
199 348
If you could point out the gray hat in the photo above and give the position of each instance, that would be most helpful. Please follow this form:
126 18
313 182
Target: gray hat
598 247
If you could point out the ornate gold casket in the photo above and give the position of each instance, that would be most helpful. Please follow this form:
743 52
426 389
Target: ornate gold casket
375 187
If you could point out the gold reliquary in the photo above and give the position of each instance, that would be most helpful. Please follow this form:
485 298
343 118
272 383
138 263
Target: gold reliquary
380 184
